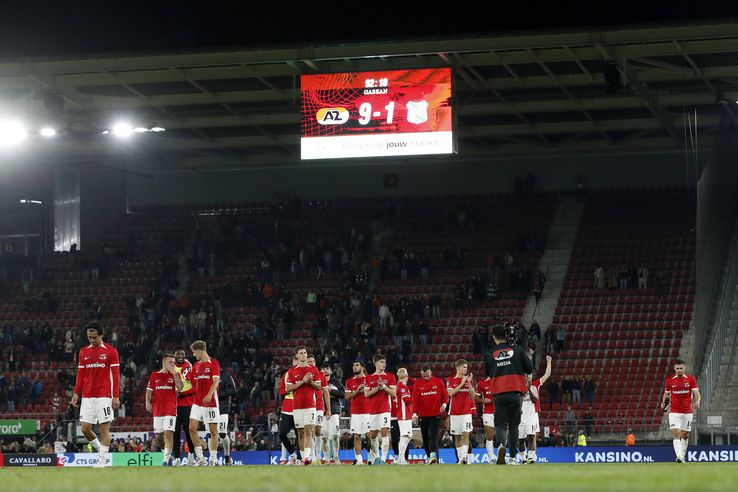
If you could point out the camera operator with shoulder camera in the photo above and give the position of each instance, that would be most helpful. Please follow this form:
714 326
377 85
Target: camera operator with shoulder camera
510 364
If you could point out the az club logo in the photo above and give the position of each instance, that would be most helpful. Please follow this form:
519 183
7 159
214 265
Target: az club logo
332 116
503 354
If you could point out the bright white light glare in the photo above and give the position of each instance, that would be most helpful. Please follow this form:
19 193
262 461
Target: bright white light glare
140 129
47 132
11 133
157 129
122 130
35 202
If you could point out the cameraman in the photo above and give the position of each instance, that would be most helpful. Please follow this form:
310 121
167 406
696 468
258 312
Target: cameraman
510 364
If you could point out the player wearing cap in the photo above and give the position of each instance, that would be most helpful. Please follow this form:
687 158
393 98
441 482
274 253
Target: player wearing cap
161 402
684 396
98 385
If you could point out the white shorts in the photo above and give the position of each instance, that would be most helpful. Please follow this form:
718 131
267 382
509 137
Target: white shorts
681 421
488 419
303 417
379 421
319 418
223 424
359 424
206 415
164 423
96 410
331 426
406 428
460 424
529 425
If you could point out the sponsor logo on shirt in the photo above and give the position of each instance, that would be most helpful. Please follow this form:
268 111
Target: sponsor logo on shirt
503 354
94 365
103 356
164 387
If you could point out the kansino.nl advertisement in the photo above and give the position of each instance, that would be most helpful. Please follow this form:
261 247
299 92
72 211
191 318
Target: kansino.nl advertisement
584 455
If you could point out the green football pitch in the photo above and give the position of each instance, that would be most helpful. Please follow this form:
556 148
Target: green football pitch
544 478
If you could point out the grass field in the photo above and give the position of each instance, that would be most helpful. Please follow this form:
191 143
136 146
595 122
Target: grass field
541 478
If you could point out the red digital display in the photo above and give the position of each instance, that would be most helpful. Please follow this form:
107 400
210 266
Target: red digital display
384 113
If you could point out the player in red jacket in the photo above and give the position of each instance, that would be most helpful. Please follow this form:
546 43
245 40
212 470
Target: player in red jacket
429 402
98 385
161 401
684 395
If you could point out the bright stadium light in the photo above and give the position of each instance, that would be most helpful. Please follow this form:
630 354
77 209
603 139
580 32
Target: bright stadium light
140 129
157 129
11 133
47 132
122 130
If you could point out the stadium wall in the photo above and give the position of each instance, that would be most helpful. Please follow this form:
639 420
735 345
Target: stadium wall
717 210
102 201
363 178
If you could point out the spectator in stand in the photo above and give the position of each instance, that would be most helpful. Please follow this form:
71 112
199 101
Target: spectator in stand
435 303
566 387
549 339
36 390
660 279
560 337
553 393
576 390
570 426
12 394
599 277
588 421
384 316
589 390
643 278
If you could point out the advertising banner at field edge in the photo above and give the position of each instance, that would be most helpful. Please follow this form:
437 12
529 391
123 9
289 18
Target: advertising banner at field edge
28 460
20 427
594 454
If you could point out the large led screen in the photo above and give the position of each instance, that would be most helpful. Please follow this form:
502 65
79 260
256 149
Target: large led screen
370 114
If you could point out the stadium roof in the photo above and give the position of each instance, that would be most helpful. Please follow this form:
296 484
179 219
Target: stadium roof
516 95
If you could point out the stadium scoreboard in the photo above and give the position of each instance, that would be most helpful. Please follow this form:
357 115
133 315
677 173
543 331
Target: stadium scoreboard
376 114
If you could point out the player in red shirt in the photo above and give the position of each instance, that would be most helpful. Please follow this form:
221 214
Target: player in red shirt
185 399
205 409
379 391
161 400
302 381
461 391
359 415
404 414
485 396
684 395
98 384
429 402
287 422
322 411
530 425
